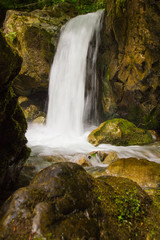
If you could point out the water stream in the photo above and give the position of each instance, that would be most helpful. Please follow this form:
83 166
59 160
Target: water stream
70 105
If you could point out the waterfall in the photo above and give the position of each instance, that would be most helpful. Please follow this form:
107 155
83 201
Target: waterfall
73 97
68 105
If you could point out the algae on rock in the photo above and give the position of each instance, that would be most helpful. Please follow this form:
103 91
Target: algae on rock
119 132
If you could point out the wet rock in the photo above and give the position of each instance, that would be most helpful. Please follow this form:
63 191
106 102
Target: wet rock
84 162
119 132
99 155
111 157
142 171
35 35
155 135
129 62
63 200
39 120
12 121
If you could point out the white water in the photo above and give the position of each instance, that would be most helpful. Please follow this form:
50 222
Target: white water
64 131
68 76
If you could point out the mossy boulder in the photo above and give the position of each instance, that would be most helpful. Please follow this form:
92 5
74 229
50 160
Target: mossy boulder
12 121
64 201
142 171
119 132
129 62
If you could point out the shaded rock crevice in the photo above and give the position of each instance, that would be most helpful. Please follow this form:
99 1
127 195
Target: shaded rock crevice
12 121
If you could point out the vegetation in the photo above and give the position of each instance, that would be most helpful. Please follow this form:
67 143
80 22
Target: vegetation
83 6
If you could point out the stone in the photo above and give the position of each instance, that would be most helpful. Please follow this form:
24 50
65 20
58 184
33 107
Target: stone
39 120
142 171
111 157
119 132
129 63
83 162
63 200
22 99
35 36
13 125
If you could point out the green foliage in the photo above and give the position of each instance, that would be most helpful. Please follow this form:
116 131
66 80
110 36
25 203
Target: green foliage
83 6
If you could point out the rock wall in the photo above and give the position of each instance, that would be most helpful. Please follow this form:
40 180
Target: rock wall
35 35
12 121
129 62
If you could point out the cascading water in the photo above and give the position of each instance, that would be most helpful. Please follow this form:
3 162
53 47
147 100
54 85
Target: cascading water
72 101
68 76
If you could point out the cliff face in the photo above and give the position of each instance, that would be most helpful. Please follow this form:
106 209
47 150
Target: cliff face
12 121
35 36
129 62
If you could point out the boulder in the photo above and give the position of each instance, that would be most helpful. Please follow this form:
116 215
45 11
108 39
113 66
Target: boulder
35 36
63 201
129 62
119 132
142 171
12 121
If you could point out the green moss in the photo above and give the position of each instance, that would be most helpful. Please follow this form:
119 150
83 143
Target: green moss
124 205
119 132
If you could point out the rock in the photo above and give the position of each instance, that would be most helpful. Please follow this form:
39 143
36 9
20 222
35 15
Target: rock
35 36
83 162
155 135
99 155
111 157
39 120
119 132
63 200
142 171
12 121
22 99
30 112
129 62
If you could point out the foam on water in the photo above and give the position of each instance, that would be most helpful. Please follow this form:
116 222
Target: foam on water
68 106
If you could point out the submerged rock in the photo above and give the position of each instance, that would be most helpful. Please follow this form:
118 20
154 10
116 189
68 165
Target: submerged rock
64 202
119 132
13 125
142 171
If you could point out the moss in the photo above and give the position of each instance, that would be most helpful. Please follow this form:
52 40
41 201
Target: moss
123 204
117 208
119 132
